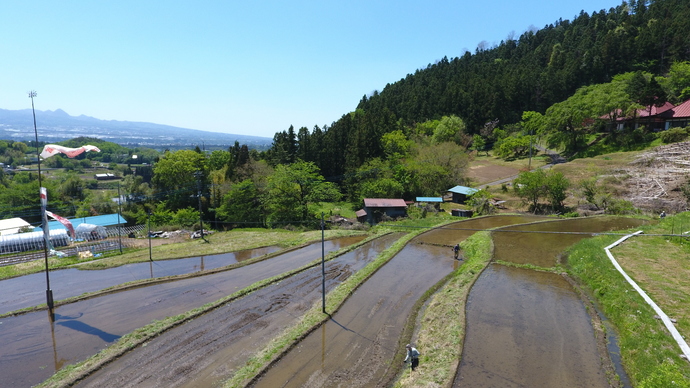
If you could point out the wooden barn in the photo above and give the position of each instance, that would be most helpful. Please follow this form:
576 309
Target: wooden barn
376 208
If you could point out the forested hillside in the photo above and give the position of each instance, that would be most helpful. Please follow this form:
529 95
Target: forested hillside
528 73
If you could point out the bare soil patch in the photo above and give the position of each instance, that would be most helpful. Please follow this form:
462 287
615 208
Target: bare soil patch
486 172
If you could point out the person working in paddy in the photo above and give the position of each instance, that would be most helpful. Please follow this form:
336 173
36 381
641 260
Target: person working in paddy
412 356
456 250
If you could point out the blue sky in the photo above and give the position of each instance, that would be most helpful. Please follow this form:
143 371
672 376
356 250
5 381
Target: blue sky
250 67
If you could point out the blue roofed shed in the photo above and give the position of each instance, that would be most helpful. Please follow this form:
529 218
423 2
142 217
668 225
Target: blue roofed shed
461 193
107 220
429 199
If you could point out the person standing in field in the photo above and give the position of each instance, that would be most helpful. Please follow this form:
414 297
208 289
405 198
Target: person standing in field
412 356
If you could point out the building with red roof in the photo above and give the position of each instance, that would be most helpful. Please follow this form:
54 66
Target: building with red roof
653 120
376 208
678 116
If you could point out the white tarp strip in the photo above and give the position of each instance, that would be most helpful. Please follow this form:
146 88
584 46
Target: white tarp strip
667 321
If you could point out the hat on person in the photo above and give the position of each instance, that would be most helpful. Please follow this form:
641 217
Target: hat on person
408 346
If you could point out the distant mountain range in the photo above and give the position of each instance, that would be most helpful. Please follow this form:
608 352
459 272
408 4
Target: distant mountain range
57 125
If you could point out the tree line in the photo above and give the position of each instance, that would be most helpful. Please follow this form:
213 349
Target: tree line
412 138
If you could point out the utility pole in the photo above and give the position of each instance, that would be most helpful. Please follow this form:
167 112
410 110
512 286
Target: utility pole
198 195
119 209
323 268
149 235
44 220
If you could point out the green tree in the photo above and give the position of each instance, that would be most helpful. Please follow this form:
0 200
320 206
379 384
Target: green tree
481 203
186 217
292 188
645 90
242 206
677 83
530 186
435 168
479 144
174 177
395 144
533 186
556 189
218 159
451 129
513 147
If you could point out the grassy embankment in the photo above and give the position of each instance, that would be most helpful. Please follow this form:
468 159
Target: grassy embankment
660 265
442 327
69 375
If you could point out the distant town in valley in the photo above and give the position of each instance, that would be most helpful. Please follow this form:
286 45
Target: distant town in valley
58 125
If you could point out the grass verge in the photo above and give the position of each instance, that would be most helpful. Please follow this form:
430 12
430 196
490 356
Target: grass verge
650 356
442 328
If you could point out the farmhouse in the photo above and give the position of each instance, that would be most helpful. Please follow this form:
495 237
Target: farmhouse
659 119
678 116
376 208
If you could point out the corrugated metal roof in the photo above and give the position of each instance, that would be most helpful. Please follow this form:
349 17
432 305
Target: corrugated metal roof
384 202
640 113
104 220
463 190
680 111
429 199
655 110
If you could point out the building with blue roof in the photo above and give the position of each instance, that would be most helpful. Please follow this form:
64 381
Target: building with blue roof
429 199
461 193
106 220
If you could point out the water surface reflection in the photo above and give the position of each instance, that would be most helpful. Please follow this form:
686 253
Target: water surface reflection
541 243
26 291
527 329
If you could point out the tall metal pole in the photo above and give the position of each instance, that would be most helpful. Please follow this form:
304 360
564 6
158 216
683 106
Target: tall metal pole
149 235
119 209
44 221
198 195
323 268
529 166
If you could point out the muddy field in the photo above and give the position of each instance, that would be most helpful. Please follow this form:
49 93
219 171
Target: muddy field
208 349
32 347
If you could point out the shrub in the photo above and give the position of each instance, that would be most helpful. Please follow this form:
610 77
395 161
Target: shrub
673 135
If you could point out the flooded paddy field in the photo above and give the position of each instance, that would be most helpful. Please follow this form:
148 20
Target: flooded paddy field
209 348
356 346
32 347
527 329
542 243
530 328
29 290
524 327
